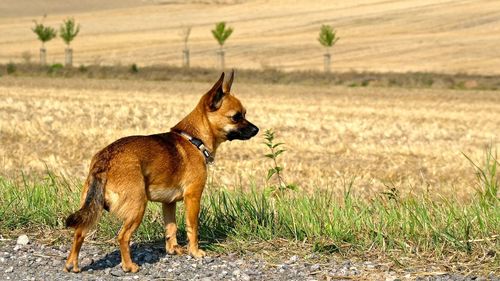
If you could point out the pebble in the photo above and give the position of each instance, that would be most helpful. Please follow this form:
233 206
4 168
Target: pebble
315 267
236 272
23 240
293 259
34 261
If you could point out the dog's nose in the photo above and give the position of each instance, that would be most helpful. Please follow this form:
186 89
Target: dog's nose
254 130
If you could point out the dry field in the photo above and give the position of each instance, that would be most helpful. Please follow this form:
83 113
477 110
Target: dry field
413 35
410 139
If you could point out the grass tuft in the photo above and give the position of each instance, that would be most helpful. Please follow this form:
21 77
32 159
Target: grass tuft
413 224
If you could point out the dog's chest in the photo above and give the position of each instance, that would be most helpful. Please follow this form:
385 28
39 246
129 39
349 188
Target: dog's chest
164 194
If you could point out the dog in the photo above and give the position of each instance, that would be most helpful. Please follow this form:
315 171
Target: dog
167 168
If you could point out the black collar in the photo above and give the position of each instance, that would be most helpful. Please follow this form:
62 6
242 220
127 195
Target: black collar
209 159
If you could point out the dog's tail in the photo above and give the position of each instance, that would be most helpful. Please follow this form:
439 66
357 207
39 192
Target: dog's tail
92 208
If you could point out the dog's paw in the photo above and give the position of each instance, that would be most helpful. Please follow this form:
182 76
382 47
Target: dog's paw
71 267
132 267
197 253
175 250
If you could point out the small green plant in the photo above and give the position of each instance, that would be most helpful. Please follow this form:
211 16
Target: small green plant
134 68
327 38
11 68
55 68
44 34
68 31
488 179
275 172
221 33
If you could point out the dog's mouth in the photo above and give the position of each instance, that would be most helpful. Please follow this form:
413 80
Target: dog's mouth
244 133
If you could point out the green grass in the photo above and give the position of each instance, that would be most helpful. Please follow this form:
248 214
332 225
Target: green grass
422 224
387 223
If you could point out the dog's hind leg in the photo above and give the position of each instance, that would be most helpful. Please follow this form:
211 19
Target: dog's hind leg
82 220
72 261
129 226
127 200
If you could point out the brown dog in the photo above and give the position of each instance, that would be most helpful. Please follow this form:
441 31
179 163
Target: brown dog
166 168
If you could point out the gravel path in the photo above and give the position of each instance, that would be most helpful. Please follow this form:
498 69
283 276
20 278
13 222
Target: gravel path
30 260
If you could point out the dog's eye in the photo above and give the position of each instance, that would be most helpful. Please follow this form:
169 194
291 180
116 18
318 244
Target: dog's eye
237 117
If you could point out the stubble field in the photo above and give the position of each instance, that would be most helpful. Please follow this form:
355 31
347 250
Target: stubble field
381 138
379 36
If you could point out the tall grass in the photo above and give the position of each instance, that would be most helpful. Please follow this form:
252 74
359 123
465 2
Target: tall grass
422 223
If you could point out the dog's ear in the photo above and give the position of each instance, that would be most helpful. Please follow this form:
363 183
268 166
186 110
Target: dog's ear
215 95
229 83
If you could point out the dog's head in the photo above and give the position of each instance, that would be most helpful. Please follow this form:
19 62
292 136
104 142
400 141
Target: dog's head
225 113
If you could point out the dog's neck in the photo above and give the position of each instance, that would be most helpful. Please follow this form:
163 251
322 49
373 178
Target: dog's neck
196 125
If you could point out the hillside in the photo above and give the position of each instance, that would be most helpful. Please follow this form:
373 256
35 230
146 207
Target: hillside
424 35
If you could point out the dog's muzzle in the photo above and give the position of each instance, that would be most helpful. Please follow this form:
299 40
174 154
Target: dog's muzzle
243 133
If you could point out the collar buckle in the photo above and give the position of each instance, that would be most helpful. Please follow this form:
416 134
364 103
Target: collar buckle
209 159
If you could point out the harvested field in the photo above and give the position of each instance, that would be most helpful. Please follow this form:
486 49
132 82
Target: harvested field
379 36
380 137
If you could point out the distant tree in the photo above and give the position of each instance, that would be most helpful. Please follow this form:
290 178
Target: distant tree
221 33
45 34
186 31
327 38
68 31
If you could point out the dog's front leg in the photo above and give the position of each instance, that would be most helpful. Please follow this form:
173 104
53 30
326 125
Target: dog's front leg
192 202
171 245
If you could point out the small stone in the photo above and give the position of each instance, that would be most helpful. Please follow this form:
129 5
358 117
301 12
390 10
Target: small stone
293 259
224 273
283 266
9 270
86 261
2 259
315 267
117 272
236 272
369 265
208 260
17 247
23 240
245 277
